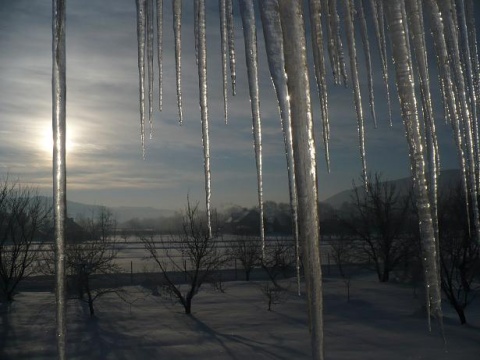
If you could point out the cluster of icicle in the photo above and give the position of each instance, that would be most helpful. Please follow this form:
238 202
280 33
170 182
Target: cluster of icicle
399 23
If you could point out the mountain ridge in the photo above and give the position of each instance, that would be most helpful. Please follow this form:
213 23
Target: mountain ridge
446 179
124 213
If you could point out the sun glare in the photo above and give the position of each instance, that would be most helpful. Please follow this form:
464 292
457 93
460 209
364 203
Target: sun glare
46 141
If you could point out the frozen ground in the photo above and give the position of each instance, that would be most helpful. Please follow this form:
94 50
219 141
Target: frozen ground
381 321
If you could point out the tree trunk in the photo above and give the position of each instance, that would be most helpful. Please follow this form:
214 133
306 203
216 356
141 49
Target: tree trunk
90 306
90 299
385 275
461 314
188 306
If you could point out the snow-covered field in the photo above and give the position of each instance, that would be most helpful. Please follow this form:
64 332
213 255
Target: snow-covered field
381 321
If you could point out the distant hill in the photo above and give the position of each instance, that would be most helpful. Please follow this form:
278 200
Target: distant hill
447 178
124 213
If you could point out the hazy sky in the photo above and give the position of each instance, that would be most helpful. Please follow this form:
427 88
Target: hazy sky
105 165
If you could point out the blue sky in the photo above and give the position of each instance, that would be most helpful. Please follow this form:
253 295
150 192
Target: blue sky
105 165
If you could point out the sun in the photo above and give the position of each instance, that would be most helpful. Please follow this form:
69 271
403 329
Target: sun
46 140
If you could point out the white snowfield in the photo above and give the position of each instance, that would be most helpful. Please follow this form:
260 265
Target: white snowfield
381 321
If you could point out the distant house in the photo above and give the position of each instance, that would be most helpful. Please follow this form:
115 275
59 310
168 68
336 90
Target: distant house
247 222
244 222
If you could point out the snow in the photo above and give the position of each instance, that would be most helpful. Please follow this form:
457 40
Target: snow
381 321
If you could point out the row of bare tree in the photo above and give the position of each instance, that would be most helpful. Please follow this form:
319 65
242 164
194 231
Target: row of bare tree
92 247
378 228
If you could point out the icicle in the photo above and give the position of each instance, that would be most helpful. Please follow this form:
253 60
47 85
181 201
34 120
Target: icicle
414 9
338 41
320 71
406 91
150 10
141 32
160 52
472 39
415 22
195 27
272 32
469 62
349 27
332 53
177 31
449 97
368 60
379 22
335 47
224 50
452 43
203 90
231 43
305 163
59 168
250 36
443 92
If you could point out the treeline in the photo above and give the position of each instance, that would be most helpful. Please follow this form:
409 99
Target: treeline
235 220
377 228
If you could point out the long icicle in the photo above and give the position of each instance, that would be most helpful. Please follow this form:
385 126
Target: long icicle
452 43
368 60
471 76
320 71
150 11
415 22
379 23
472 39
203 89
350 30
331 43
141 32
406 92
338 41
231 44
195 27
272 31
177 31
224 52
305 163
59 126
449 94
250 36
160 52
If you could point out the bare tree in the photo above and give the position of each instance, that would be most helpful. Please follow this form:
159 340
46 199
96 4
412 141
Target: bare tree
273 294
196 257
459 252
279 259
94 256
91 250
377 216
342 251
24 223
247 250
